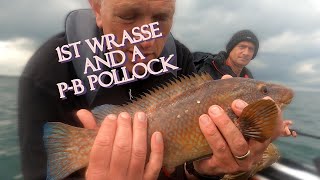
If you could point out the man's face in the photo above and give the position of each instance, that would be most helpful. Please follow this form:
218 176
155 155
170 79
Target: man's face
114 16
242 53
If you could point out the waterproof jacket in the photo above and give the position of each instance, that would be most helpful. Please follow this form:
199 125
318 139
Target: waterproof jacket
216 65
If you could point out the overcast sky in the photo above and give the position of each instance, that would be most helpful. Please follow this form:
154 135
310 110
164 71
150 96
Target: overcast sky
288 30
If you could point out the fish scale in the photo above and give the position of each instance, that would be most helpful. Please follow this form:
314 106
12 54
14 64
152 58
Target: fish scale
182 128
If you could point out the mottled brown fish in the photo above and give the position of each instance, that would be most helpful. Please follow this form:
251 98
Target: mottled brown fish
174 110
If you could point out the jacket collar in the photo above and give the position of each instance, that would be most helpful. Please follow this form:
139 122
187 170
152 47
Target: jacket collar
219 63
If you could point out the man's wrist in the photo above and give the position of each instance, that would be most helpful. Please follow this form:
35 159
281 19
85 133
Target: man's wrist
189 168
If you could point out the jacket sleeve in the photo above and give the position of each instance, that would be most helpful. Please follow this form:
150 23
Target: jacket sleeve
39 102
35 107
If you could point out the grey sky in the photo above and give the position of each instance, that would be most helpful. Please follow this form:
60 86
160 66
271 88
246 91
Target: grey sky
288 30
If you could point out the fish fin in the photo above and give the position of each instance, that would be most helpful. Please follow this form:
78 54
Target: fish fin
67 147
170 90
270 156
259 120
100 112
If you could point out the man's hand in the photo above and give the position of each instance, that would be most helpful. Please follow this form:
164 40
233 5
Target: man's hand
286 130
87 119
120 148
226 142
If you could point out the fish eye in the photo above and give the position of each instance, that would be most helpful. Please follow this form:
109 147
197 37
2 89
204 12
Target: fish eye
264 90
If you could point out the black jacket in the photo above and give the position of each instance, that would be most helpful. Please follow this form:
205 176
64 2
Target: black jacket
216 65
39 102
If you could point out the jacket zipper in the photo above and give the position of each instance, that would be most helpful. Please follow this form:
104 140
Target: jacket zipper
130 94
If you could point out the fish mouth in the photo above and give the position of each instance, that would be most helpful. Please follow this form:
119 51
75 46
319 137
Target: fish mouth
286 98
285 104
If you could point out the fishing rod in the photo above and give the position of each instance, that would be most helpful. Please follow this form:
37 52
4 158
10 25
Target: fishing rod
305 134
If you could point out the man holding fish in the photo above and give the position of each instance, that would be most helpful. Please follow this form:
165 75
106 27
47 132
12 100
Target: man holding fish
120 149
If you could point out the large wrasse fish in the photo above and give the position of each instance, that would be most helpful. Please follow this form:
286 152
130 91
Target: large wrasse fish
174 109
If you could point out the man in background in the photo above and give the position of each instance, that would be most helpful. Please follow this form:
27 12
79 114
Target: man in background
240 50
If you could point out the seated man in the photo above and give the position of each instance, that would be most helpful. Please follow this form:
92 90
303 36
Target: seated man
241 49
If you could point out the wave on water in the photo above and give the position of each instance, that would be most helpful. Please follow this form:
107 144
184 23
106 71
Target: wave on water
18 176
6 123
7 152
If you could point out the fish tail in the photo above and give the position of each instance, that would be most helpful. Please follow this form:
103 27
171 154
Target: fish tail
67 147
259 120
